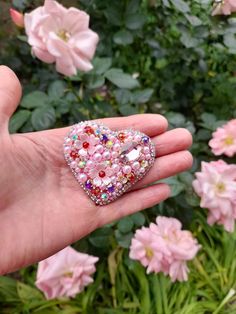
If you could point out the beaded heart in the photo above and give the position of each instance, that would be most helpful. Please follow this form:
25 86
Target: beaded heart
107 163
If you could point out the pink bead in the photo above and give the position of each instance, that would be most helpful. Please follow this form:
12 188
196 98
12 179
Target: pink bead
99 149
142 170
126 169
114 154
77 169
137 138
113 179
97 157
148 156
115 167
90 164
146 150
73 164
83 152
116 147
68 140
82 177
119 185
66 149
106 155
136 165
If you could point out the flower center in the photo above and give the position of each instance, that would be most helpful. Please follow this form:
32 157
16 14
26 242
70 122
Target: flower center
64 35
85 145
229 140
68 274
149 252
102 174
220 187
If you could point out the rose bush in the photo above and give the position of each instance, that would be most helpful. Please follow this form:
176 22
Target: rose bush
171 57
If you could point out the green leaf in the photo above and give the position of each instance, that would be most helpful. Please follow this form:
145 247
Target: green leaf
34 100
121 79
125 224
101 237
123 239
123 96
101 65
127 109
18 120
28 294
56 90
193 20
43 118
138 219
123 37
142 96
8 289
135 21
176 186
132 6
95 81
181 5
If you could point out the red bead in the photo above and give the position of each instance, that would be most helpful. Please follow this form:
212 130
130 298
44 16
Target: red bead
121 136
131 177
102 174
85 145
88 130
96 191
73 154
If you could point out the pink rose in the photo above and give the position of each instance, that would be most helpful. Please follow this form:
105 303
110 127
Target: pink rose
65 274
216 185
224 7
164 247
224 139
61 35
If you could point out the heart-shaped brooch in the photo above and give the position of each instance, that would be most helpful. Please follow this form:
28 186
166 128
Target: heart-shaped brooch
107 163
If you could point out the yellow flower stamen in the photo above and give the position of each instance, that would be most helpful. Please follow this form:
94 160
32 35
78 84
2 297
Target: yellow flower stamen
68 274
149 252
229 140
63 34
220 187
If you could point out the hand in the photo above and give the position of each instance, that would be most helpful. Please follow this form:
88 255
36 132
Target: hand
42 207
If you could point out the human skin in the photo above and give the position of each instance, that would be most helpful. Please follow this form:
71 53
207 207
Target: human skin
42 207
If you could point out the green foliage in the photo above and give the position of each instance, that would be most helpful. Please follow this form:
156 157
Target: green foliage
161 56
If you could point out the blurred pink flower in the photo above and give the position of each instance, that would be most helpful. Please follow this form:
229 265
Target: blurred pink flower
224 7
164 247
224 139
65 274
61 35
17 17
216 185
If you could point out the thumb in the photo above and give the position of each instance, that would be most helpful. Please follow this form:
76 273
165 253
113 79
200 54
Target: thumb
10 94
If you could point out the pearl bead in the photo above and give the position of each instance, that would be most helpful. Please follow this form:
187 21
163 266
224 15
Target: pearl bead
115 167
97 157
90 164
137 138
82 177
116 147
146 150
83 152
106 155
73 164
114 154
148 156
142 170
99 149
119 185
126 169
136 165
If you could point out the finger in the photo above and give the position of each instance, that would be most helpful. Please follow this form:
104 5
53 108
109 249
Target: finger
167 166
10 94
133 202
150 124
172 141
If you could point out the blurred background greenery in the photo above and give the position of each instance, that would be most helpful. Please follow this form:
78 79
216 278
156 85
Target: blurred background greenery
170 57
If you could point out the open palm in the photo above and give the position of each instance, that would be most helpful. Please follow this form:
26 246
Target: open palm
42 207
